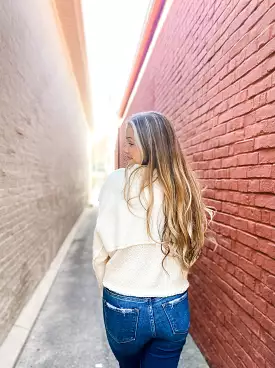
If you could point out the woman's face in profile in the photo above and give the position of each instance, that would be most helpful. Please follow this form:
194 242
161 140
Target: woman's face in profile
132 149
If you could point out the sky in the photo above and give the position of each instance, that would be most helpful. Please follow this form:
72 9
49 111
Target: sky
113 30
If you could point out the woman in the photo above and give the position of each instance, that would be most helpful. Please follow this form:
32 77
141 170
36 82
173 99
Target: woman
150 230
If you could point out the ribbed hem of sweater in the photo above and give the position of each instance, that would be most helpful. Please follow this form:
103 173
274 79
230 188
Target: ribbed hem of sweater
148 292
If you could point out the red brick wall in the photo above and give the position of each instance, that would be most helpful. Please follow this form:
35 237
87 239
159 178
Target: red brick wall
212 73
43 160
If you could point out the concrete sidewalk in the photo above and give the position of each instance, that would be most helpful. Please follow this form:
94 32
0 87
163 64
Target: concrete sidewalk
69 331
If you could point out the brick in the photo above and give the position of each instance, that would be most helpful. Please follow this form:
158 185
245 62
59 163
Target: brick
226 116
268 364
245 278
265 262
243 108
229 302
221 152
209 193
223 263
258 358
248 159
235 124
224 242
265 322
265 216
242 224
267 156
229 162
215 164
231 185
267 50
267 247
228 255
260 86
223 218
255 300
239 46
267 340
264 37
221 174
218 130
270 95
234 283
265 292
249 119
267 186
271 280
253 186
243 303
237 99
198 156
263 349
265 200
242 328
268 65
258 20
231 137
264 231
244 146
215 204
240 347
239 274
230 268
267 141
250 268
265 112
259 171
242 250
242 186
249 281
252 76
231 90
250 213
260 128
214 143
202 165
250 322
230 208
238 173
270 312
222 285
259 101
227 231
208 155
246 199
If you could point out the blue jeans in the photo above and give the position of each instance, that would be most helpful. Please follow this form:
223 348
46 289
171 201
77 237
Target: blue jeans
146 332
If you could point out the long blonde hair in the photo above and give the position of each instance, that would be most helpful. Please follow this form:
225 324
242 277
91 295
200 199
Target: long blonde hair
186 217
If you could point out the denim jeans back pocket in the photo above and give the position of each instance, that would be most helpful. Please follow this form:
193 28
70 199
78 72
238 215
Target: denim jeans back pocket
178 315
121 323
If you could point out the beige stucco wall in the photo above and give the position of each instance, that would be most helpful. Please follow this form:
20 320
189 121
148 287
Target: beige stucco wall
43 156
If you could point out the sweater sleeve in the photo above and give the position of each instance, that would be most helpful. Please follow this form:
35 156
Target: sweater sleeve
100 258
100 255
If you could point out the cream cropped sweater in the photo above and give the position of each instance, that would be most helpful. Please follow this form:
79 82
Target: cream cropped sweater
125 259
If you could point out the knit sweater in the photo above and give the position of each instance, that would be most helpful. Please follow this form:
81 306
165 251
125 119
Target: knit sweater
126 259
